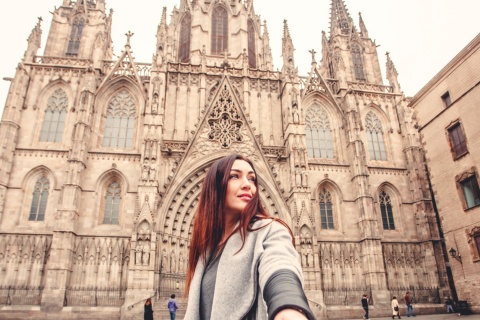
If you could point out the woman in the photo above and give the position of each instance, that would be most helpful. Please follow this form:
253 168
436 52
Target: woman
395 309
242 263
147 310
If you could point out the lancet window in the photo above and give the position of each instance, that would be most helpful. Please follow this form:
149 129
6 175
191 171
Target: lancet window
376 144
39 200
112 204
326 209
357 62
319 133
120 121
185 29
387 212
75 36
54 119
219 30
252 54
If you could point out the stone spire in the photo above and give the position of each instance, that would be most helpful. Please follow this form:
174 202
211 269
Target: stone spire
34 41
340 20
392 74
363 28
287 47
267 51
162 31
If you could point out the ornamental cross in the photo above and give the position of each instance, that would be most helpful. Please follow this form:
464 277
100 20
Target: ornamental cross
313 54
129 35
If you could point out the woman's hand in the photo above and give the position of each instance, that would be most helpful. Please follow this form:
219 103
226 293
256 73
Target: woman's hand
290 314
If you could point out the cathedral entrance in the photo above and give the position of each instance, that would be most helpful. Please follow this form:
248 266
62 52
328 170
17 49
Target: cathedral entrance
171 283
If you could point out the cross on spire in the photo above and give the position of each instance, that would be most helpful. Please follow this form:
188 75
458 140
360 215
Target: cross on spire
129 35
313 54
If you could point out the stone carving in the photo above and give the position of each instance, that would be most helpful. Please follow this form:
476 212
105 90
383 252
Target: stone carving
164 267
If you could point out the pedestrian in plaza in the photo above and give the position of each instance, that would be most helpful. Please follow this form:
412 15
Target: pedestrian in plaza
408 302
172 307
147 310
449 304
365 306
242 263
395 308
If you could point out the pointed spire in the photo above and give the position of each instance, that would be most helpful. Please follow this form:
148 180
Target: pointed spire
363 28
34 41
267 51
340 20
162 37
392 74
287 46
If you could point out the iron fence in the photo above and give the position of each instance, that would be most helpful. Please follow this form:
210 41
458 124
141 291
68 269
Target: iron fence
345 296
21 295
94 296
417 295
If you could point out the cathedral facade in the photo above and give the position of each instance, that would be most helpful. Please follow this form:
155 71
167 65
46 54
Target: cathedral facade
102 160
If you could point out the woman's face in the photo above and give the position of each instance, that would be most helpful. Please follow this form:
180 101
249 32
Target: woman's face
241 187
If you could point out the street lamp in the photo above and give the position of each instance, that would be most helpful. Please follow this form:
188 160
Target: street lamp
453 254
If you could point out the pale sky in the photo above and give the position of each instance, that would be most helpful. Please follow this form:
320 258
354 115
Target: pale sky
422 36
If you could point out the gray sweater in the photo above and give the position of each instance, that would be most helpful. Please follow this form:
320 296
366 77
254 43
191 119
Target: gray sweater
241 277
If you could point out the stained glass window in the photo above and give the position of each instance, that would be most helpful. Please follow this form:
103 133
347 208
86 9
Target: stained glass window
252 55
319 133
326 209
376 145
387 212
184 48
39 200
54 119
112 204
75 36
219 30
120 122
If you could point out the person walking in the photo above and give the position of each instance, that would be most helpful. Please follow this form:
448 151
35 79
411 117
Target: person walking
408 302
449 304
242 262
395 309
147 310
365 306
172 307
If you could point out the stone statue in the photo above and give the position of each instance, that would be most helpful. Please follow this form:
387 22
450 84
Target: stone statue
145 171
303 253
181 263
155 103
172 262
138 254
152 172
146 254
310 256
295 114
304 178
164 261
298 177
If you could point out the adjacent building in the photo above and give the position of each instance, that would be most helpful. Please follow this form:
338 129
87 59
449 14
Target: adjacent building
102 160
446 111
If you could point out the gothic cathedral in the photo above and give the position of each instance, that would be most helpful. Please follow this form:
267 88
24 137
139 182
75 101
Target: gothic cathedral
102 159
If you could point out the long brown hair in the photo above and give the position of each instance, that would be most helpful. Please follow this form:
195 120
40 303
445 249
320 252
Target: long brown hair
209 223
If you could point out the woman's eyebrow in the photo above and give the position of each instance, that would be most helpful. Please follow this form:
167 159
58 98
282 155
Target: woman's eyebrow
238 170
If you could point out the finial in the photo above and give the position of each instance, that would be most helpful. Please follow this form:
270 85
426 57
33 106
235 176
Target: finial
129 35
313 54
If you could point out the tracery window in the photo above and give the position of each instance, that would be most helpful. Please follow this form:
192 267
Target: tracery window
75 36
39 200
185 29
326 209
54 118
376 145
319 133
120 122
387 212
219 30
112 204
252 55
357 62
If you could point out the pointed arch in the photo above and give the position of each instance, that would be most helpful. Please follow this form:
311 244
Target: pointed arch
54 117
252 53
120 120
357 61
185 34
329 198
112 187
389 199
38 184
219 35
76 31
319 133
375 139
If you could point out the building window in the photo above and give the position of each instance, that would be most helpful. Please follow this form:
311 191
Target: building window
54 118
39 200
120 122
387 212
471 191
376 145
185 28
326 209
219 30
75 36
318 133
357 62
252 55
446 99
456 137
112 204
473 238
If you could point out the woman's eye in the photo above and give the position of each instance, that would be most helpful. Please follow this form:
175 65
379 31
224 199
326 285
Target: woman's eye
252 179
234 176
